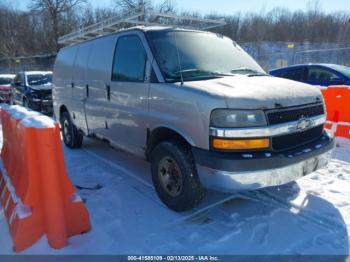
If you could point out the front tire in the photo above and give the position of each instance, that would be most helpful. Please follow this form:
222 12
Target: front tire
175 177
71 136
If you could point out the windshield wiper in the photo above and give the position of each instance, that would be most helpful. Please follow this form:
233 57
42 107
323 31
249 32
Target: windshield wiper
194 73
199 73
246 70
193 70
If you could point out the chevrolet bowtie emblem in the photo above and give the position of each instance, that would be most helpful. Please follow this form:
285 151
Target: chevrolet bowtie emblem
303 124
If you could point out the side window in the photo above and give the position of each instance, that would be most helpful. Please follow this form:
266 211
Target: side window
129 60
295 74
320 75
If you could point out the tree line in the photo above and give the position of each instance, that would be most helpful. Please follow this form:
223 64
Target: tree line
37 29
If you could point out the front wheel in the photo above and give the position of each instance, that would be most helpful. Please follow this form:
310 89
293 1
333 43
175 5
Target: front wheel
175 177
71 136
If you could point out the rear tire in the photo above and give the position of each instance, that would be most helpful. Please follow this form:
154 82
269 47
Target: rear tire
175 177
71 136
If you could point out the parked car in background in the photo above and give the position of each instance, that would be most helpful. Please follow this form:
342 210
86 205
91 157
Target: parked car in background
315 74
33 89
195 105
5 87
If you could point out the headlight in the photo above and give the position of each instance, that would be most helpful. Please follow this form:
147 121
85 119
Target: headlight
237 118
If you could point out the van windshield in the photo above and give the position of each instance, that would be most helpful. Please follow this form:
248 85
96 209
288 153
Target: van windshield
39 79
198 55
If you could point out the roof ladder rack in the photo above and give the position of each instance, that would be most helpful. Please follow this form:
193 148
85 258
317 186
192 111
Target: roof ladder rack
137 17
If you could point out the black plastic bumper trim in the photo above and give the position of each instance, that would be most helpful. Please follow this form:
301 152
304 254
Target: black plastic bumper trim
255 161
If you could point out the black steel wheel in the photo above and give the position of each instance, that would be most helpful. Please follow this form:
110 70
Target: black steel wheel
175 177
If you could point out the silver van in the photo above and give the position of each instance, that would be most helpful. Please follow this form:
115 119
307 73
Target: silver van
195 105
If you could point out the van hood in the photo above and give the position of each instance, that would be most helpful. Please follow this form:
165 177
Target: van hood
258 92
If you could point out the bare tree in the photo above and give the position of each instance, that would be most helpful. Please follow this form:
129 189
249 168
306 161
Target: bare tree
127 5
8 46
166 6
56 9
26 33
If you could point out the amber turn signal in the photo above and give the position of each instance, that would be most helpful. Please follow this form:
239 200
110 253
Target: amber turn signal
237 144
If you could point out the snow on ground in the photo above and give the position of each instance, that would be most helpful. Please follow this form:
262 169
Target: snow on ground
310 216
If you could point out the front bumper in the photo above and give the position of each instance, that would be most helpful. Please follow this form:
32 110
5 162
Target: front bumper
229 172
41 105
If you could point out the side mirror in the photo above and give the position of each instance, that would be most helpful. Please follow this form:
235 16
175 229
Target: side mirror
337 81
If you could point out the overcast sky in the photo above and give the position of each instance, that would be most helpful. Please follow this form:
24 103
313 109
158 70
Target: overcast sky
227 6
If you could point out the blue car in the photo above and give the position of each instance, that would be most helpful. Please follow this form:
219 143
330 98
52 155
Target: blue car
315 74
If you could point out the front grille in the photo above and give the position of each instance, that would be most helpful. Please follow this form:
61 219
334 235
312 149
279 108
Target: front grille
290 141
293 114
46 96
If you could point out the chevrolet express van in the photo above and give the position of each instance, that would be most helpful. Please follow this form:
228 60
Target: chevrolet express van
195 105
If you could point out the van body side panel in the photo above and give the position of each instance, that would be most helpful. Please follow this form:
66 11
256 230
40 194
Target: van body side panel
62 79
98 78
79 91
183 110
129 107
128 127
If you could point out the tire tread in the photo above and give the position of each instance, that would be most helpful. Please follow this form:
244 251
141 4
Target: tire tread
195 192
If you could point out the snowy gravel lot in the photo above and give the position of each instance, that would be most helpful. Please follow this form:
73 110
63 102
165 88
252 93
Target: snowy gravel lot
310 216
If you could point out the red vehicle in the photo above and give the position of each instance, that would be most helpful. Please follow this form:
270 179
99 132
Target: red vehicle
5 87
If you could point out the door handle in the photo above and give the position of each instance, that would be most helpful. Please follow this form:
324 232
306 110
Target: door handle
108 89
87 91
